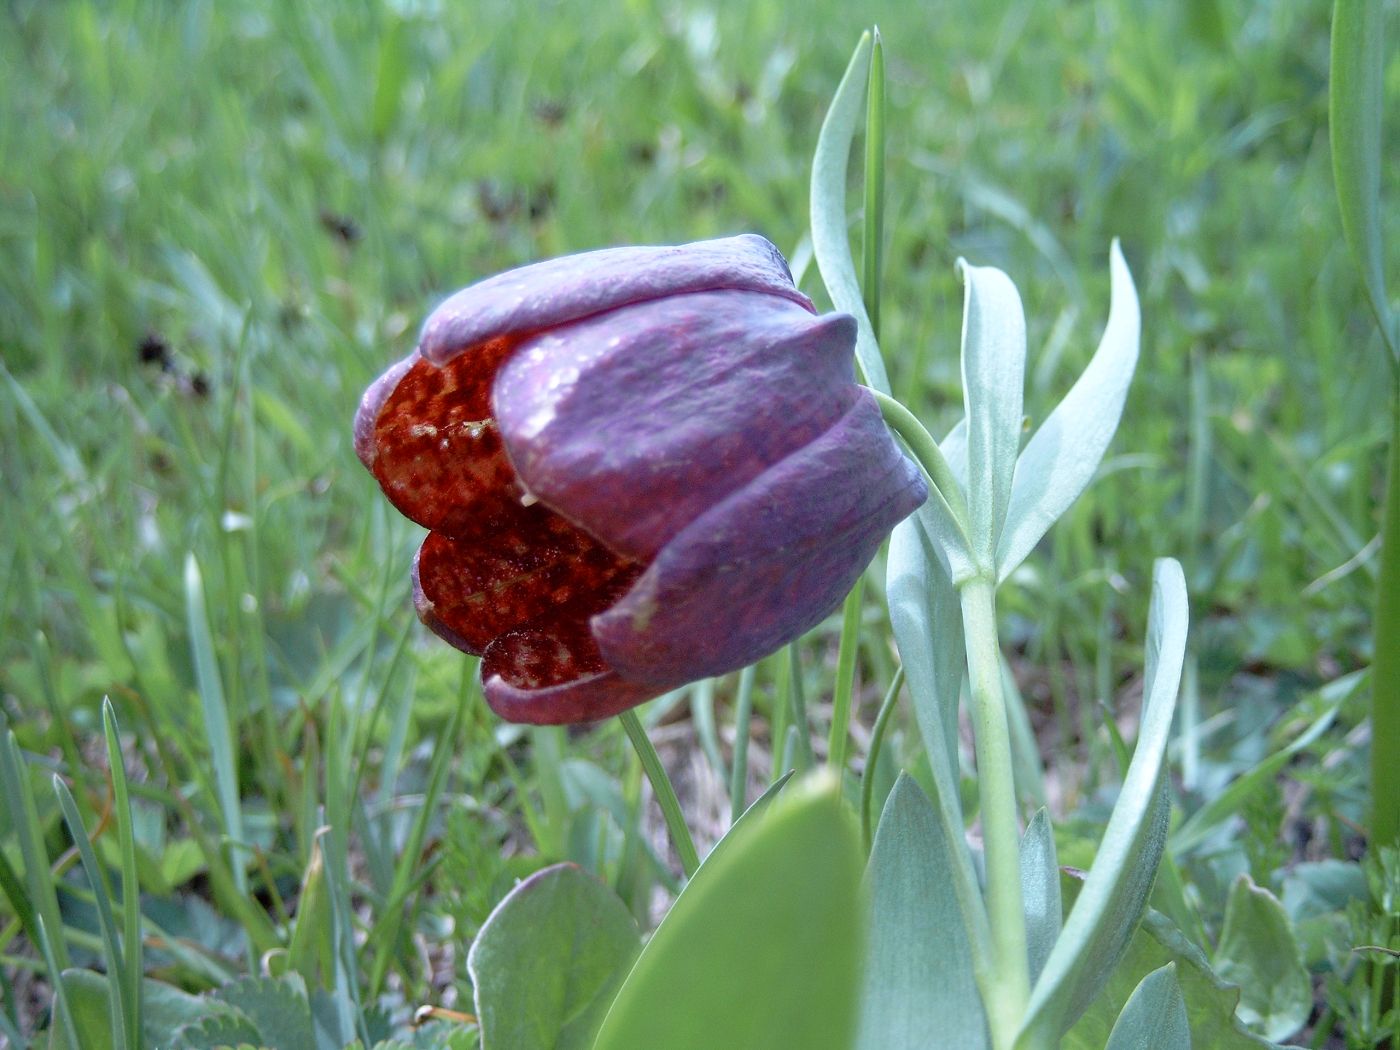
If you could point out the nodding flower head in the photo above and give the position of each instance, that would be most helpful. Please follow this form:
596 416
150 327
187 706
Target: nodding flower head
638 467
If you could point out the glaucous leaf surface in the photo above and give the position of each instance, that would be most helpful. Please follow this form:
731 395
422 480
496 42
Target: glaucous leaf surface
830 237
1259 952
547 960
762 950
1155 1017
1210 1003
1102 920
1040 890
993 374
1060 459
918 969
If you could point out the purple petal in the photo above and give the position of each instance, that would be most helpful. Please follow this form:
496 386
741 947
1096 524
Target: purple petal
768 563
634 422
560 290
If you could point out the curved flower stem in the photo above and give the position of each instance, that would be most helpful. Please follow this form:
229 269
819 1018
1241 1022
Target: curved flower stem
845 678
877 742
1000 828
665 793
925 449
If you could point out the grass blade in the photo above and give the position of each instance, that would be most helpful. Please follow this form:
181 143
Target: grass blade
116 966
132 964
1356 106
43 894
830 243
217 731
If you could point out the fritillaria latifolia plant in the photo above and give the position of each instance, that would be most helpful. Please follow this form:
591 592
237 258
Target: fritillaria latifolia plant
644 466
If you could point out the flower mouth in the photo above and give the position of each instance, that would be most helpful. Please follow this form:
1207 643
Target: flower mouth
500 575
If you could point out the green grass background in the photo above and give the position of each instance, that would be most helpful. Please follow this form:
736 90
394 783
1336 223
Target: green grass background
270 197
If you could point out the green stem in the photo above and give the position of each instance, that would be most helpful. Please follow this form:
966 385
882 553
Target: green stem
925 449
845 678
1385 668
743 715
799 709
665 793
1000 827
877 743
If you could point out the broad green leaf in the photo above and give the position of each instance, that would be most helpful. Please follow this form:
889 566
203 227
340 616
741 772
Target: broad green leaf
1102 920
993 375
167 1010
927 620
1259 952
277 1007
918 968
220 1033
762 950
831 244
1040 891
85 996
1210 1004
1155 1017
1357 104
547 960
1059 461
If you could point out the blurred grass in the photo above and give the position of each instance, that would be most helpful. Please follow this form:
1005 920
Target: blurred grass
219 222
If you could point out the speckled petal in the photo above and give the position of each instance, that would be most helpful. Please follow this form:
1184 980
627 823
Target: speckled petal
768 563
427 436
550 673
470 592
634 422
557 291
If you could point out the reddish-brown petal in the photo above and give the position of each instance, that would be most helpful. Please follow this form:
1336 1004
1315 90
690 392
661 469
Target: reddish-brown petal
550 671
469 592
427 435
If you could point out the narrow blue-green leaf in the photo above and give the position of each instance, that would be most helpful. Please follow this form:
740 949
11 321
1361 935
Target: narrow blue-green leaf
1040 890
873 245
1259 952
106 923
1357 105
763 947
132 965
927 620
1059 461
548 959
1154 1017
831 243
217 731
993 375
1108 909
38 877
918 966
